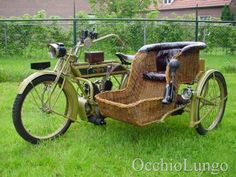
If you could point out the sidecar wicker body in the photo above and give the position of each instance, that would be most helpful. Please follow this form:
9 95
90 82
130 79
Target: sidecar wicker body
140 103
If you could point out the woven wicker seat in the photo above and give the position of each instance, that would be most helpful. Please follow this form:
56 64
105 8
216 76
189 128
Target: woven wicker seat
140 103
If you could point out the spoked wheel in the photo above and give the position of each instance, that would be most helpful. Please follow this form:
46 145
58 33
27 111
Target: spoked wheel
40 112
211 103
124 81
119 81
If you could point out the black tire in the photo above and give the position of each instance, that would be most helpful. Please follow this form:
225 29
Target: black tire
18 109
220 80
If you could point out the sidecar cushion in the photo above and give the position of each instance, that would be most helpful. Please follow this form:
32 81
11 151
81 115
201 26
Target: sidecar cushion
185 46
154 76
163 58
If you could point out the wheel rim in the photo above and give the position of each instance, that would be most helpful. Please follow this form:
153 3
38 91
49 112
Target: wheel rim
44 110
211 103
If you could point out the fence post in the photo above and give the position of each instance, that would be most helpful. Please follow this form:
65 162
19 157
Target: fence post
196 24
74 32
5 36
74 28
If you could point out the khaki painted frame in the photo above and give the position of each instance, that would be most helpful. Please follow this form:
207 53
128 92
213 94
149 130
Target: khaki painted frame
68 70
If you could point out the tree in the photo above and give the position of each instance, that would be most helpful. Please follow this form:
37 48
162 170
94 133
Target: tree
120 8
226 15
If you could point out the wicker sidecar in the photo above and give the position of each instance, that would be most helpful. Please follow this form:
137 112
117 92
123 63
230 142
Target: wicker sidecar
152 93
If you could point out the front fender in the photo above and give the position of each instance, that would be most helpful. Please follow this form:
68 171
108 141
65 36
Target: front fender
68 87
203 80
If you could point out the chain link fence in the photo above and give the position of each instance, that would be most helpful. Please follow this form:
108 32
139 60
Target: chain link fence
26 41
22 37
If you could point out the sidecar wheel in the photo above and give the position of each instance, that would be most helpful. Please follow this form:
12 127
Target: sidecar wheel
211 104
34 117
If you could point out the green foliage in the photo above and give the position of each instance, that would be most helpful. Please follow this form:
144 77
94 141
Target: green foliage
226 15
221 36
168 32
152 14
230 68
81 14
121 8
29 37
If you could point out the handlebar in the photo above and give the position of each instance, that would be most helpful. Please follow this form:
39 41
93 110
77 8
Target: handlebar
108 36
80 44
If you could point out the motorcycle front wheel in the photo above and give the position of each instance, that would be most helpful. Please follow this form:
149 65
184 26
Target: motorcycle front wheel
40 112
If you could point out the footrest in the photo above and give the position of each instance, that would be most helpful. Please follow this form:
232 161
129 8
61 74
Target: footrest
154 76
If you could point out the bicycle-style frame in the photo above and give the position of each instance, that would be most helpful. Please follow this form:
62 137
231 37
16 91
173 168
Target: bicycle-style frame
75 74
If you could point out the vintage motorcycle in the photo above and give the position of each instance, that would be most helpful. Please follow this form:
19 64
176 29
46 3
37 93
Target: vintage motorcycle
165 79
48 101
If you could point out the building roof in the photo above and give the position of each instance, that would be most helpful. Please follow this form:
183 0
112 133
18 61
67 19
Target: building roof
186 4
62 8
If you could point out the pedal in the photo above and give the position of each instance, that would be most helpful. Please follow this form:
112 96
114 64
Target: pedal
96 120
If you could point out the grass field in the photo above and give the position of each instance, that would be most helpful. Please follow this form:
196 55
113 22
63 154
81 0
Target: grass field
88 150
15 69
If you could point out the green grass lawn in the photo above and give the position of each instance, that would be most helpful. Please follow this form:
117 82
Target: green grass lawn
88 150
15 69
